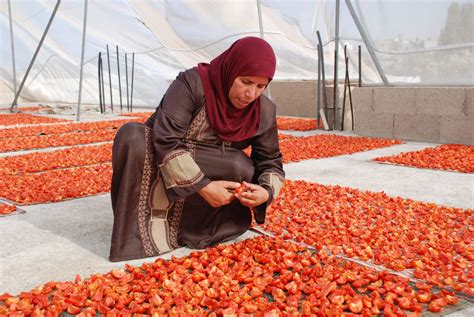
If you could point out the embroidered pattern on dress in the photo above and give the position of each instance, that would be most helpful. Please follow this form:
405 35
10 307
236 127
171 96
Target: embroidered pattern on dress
195 130
144 211
177 168
173 223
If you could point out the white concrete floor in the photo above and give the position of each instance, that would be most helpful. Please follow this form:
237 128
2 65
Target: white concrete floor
54 242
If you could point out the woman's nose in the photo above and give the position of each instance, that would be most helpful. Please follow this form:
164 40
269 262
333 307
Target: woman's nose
250 92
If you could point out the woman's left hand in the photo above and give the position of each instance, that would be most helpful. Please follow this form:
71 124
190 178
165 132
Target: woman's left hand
252 196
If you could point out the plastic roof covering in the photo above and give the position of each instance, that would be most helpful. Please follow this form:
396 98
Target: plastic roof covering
170 36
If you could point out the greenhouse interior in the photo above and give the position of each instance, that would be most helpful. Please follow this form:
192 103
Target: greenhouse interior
356 145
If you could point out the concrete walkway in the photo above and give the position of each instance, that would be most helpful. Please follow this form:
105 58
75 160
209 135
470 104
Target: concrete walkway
54 242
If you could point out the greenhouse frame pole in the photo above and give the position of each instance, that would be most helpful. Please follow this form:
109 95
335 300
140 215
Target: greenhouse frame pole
84 29
336 60
262 36
260 22
14 103
367 43
13 46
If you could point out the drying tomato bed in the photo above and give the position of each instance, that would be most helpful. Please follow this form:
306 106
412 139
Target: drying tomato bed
43 161
297 124
7 209
319 146
145 114
261 276
56 185
38 130
27 109
435 242
454 157
53 140
22 118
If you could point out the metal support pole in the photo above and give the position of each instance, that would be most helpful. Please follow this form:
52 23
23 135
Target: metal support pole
260 22
98 76
131 92
14 103
110 79
321 60
102 81
262 35
367 43
336 59
118 71
318 90
126 82
84 29
360 66
13 46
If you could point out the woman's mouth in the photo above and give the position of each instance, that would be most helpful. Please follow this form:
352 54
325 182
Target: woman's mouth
243 102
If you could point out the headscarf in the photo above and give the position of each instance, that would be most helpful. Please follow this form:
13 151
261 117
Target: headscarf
249 56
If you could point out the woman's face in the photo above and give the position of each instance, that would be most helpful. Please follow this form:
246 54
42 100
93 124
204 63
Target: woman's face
246 89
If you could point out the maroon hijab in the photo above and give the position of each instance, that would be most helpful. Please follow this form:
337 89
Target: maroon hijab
249 56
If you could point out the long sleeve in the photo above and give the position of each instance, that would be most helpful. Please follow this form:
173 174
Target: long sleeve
181 175
267 157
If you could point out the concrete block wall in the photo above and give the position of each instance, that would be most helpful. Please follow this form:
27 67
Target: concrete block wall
439 115
431 114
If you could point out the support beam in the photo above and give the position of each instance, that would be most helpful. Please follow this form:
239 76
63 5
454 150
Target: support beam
336 62
84 29
13 46
14 103
367 43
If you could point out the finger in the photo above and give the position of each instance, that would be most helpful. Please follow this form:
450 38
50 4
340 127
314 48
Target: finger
247 202
231 185
252 187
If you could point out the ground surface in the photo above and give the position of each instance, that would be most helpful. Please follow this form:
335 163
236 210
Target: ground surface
56 241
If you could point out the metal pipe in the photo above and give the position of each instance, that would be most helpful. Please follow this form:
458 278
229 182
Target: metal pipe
345 89
102 83
350 95
98 76
84 28
260 20
367 43
13 47
360 67
318 90
118 72
334 91
110 79
131 92
14 103
126 82
262 35
325 97
336 57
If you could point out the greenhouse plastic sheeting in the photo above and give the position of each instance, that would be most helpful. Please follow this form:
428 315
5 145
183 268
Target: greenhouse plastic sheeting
415 42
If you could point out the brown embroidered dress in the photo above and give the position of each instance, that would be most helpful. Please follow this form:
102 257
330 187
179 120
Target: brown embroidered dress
159 166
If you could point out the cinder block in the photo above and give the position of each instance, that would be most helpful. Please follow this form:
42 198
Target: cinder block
363 98
469 102
457 130
419 127
294 98
394 100
374 124
441 101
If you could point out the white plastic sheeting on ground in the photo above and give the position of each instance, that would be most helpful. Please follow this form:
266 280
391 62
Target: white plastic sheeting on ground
416 42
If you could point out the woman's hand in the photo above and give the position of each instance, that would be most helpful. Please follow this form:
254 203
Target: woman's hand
219 193
252 195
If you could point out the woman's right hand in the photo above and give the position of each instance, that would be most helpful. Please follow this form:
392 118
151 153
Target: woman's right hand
219 193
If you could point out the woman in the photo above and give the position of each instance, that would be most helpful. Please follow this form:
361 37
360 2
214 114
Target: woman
177 178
